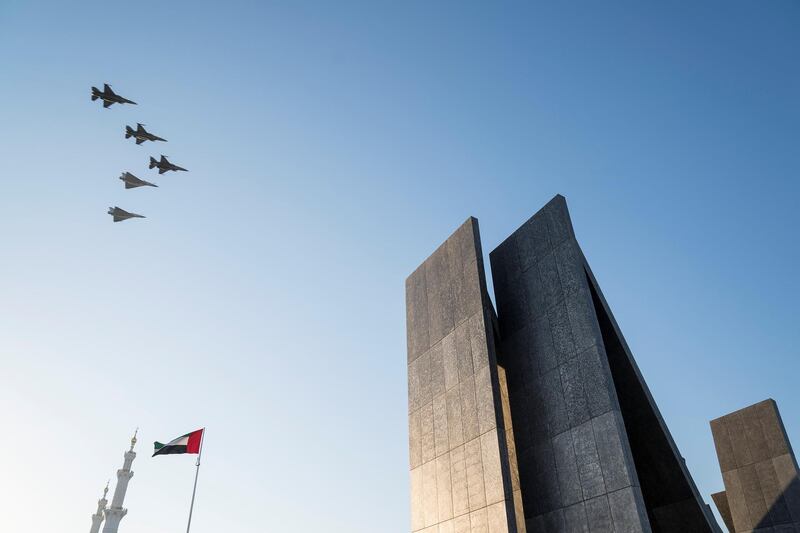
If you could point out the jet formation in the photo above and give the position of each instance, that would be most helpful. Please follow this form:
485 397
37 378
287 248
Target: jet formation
141 135
109 98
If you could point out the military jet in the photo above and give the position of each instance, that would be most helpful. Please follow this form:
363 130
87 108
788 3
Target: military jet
131 181
141 134
121 214
163 165
109 97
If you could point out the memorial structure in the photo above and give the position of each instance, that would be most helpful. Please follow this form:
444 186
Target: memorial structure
535 418
759 469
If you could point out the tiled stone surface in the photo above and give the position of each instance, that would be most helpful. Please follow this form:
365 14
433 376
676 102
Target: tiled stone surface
460 469
762 488
576 468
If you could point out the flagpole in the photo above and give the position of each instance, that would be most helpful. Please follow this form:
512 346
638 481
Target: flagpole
196 475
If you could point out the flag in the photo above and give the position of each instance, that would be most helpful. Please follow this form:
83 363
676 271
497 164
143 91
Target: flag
189 443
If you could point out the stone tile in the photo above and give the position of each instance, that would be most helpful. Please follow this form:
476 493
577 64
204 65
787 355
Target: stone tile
548 492
475 486
458 478
598 514
583 321
597 380
484 394
447 527
751 488
567 469
497 516
558 222
532 241
772 427
735 427
736 500
414 386
533 294
617 470
426 424
441 307
477 341
415 439
512 460
492 472
450 361
554 521
575 520
519 511
723 445
429 501
461 524
416 314
469 409
444 488
437 370
463 352
588 461
627 511
777 511
577 406
507 276
417 498
754 435
561 332
441 436
570 268
423 371
788 482
554 406
475 283
457 278
479 521
550 281
454 427
541 339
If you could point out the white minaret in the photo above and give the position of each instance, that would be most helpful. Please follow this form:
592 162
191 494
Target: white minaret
97 518
116 513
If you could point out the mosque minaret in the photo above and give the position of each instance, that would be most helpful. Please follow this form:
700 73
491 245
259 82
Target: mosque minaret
97 518
114 514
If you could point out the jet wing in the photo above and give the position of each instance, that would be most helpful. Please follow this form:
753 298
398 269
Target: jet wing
139 140
161 170
107 103
107 89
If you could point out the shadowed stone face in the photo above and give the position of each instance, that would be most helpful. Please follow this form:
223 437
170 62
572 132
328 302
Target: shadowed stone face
540 411
759 469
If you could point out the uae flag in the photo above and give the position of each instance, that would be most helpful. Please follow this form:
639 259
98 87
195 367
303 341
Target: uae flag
189 443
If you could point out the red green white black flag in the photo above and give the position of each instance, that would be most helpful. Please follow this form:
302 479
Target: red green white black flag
189 443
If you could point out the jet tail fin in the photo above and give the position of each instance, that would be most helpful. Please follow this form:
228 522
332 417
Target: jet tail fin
153 163
94 94
128 132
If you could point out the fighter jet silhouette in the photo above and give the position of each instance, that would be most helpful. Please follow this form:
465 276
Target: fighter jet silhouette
131 181
121 214
163 165
141 134
109 97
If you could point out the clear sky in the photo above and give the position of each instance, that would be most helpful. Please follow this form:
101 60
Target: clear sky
331 147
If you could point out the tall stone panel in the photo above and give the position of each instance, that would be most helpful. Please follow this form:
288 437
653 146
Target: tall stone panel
592 450
759 469
461 474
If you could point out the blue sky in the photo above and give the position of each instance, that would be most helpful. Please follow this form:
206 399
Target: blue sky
331 147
